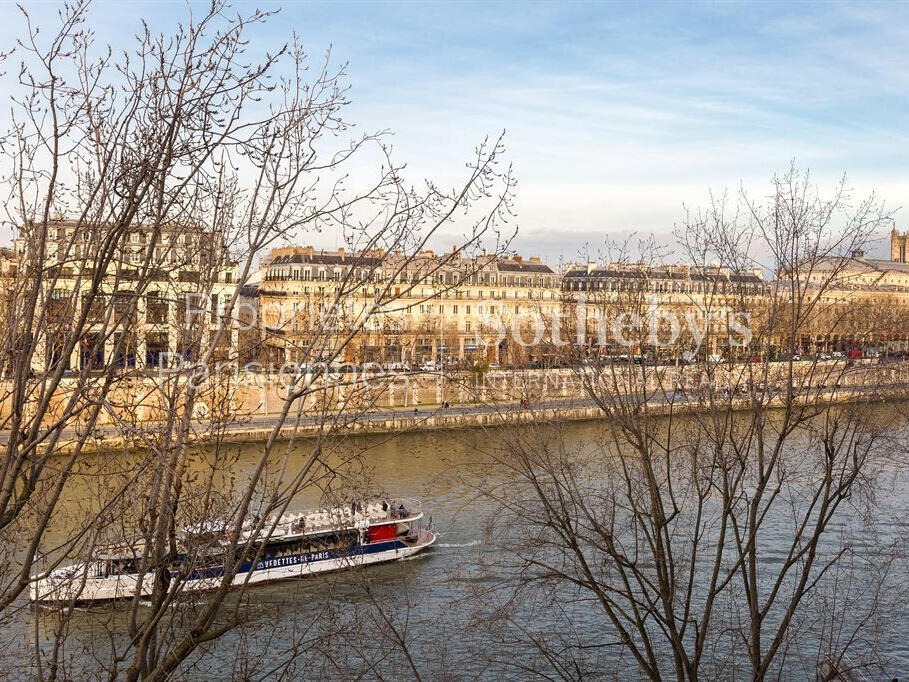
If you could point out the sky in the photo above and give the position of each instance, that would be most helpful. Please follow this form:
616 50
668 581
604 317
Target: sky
617 116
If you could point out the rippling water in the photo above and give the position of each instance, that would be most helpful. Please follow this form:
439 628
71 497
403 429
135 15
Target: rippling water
432 597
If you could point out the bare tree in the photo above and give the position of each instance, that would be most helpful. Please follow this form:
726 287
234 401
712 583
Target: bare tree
708 529
144 187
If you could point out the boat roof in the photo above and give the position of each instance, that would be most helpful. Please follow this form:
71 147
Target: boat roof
291 525
319 522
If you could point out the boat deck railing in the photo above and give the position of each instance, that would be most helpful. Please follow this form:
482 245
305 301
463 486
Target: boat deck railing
355 515
312 522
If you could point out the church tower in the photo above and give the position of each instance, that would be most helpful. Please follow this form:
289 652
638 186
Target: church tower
899 246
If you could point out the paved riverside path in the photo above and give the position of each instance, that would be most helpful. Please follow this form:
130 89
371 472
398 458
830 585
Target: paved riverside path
384 420
398 414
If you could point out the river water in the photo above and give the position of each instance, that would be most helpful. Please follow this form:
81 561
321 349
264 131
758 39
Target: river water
441 602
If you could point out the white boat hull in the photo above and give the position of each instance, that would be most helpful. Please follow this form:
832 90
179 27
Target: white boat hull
68 585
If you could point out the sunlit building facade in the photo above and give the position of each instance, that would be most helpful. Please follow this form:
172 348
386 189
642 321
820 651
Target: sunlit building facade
165 289
441 308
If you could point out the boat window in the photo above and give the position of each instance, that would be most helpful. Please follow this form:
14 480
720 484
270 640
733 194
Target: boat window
287 548
127 566
321 543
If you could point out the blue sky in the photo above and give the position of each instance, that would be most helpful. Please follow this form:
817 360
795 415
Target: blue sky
616 114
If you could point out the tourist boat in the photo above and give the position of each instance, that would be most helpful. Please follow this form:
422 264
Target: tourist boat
301 544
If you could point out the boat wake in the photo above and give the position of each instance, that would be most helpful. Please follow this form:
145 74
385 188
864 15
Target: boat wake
414 557
473 543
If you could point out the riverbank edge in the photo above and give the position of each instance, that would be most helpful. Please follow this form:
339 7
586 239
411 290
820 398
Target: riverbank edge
510 414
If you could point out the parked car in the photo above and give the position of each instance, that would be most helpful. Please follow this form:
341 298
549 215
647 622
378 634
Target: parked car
398 367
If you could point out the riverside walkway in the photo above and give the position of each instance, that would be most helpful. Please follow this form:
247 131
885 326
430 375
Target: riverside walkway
471 416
